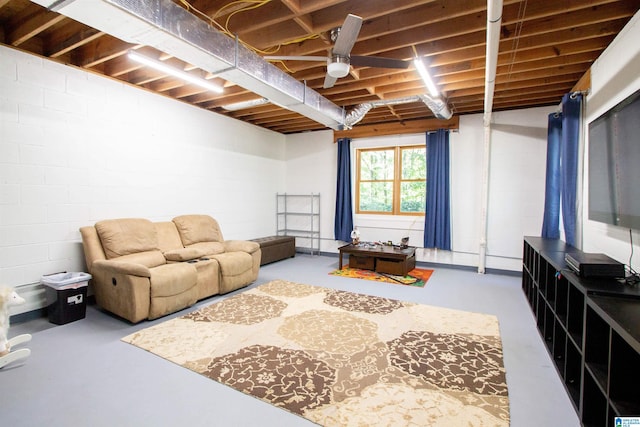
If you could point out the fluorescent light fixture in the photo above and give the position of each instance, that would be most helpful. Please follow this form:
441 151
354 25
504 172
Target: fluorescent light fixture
428 82
245 104
161 66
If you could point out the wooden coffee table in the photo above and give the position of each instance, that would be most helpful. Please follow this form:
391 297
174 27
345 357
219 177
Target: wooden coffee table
381 258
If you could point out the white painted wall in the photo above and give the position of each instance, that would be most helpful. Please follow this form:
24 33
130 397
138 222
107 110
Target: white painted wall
517 174
76 148
312 168
516 198
517 183
614 76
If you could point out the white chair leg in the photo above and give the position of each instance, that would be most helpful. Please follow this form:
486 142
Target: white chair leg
14 356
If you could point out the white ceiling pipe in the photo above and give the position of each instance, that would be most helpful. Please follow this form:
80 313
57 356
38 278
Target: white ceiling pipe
494 20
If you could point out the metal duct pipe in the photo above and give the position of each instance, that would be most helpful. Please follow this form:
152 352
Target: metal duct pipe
357 114
170 28
494 20
436 105
360 110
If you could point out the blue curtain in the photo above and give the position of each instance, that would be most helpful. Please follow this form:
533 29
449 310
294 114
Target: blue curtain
344 213
551 219
437 223
563 141
571 112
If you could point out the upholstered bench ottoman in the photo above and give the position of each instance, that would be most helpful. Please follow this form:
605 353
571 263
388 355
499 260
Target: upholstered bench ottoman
276 248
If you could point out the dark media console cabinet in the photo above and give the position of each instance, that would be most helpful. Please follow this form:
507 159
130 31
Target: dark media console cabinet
591 328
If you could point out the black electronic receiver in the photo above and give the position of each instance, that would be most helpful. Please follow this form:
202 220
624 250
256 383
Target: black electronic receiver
594 265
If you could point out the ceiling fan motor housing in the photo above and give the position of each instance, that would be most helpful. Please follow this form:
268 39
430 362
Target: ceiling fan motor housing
339 66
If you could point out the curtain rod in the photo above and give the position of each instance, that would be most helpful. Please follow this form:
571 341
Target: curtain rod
572 95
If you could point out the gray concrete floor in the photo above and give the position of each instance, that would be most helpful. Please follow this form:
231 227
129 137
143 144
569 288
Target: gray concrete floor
82 374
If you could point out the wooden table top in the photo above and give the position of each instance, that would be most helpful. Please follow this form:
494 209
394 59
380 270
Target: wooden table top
378 250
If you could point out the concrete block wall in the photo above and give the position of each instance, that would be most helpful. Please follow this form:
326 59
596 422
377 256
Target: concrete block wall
76 148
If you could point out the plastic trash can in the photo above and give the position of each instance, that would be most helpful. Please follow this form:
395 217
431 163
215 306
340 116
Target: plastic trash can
66 295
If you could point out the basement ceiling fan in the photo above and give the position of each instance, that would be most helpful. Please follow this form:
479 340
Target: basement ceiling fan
340 59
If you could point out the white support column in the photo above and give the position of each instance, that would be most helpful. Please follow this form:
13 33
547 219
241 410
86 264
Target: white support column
484 198
494 20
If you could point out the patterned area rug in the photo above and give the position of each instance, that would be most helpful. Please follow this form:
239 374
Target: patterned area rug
343 359
417 277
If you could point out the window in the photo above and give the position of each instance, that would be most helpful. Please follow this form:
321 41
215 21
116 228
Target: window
391 180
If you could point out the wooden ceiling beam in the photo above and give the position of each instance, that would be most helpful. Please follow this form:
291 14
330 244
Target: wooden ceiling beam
584 84
393 82
32 26
557 41
288 119
100 51
266 114
591 46
524 87
187 91
548 43
561 29
387 43
121 65
398 128
80 37
432 24
273 14
389 82
377 17
270 14
231 95
164 85
324 20
562 20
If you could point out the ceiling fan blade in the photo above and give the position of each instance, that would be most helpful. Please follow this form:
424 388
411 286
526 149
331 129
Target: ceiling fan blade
328 81
296 58
348 35
378 62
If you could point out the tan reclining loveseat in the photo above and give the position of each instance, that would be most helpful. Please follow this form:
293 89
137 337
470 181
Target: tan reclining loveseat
145 270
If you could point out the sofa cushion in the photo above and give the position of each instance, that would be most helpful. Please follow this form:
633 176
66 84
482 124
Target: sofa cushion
208 248
168 236
126 236
234 263
149 259
198 228
172 279
92 246
184 254
241 246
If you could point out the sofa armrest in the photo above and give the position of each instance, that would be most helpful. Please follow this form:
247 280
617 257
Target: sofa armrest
184 254
240 246
122 267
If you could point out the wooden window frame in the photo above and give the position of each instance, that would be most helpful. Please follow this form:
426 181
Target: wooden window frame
397 179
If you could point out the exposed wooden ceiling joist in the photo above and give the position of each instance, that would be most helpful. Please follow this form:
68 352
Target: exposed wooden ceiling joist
546 48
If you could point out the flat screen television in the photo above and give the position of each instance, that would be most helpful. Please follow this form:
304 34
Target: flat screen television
614 165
